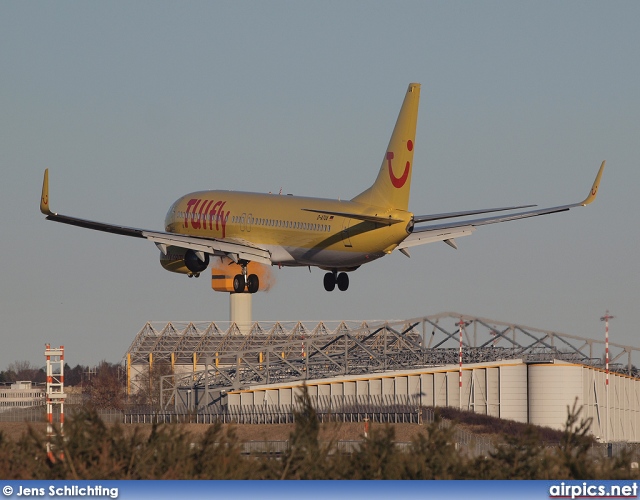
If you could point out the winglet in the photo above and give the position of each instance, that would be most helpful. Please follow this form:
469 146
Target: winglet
44 200
594 188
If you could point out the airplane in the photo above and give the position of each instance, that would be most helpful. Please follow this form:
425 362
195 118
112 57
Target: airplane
337 236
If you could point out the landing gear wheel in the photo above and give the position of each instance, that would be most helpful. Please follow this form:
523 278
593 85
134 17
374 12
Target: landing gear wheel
253 283
329 282
238 283
343 281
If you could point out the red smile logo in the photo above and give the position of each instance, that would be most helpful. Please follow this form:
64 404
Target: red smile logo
398 182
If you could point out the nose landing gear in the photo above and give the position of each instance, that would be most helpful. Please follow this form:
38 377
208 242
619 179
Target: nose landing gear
333 278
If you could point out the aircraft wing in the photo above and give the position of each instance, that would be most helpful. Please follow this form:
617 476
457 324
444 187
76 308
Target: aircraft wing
446 231
224 248
234 250
416 219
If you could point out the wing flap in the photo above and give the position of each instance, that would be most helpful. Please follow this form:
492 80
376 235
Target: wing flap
424 236
240 251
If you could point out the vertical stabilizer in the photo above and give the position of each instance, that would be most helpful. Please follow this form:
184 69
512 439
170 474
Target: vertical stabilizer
392 186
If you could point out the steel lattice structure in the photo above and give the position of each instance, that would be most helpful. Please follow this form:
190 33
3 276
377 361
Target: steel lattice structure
224 358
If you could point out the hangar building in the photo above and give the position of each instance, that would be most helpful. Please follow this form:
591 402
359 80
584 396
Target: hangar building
508 370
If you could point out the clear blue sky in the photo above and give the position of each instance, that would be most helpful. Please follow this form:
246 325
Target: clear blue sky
131 105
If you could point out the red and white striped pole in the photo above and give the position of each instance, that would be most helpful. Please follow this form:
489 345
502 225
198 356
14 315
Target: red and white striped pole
48 392
55 393
606 319
49 402
460 324
62 390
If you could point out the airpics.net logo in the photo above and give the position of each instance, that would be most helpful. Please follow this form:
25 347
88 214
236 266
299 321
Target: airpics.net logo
586 490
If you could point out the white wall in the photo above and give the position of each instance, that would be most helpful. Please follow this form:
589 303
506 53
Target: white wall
535 393
553 388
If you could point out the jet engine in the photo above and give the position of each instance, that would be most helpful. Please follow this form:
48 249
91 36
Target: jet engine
183 261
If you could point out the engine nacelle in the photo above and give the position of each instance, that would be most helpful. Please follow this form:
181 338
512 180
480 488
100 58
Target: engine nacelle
183 261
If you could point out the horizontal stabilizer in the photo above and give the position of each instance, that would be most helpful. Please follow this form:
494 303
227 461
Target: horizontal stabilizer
452 215
363 217
437 232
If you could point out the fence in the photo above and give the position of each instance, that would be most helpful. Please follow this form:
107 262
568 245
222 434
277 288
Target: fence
276 415
465 441
279 447
29 414
36 414
280 414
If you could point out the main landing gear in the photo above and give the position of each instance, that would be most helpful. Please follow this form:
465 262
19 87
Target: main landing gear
242 281
331 279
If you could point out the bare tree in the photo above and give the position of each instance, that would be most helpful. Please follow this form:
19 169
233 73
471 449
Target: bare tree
149 384
106 388
23 370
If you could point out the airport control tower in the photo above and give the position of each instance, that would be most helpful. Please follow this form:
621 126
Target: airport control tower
240 304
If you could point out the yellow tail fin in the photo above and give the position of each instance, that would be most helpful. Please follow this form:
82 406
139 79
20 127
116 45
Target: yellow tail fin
392 186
